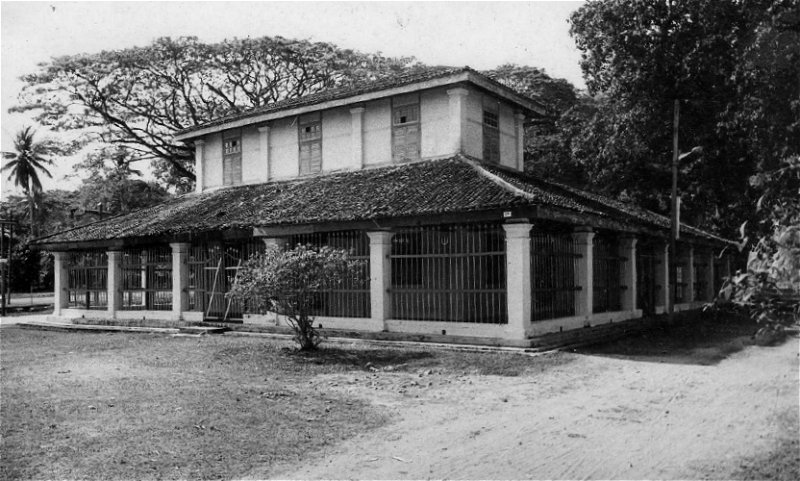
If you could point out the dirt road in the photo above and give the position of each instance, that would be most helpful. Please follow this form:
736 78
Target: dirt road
598 417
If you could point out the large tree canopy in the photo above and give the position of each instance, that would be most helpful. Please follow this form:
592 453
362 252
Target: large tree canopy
139 97
735 69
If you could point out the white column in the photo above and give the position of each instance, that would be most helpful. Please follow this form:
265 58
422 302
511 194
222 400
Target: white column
357 135
584 271
689 297
198 164
380 277
263 145
114 286
180 278
458 118
518 279
662 278
519 119
60 282
627 250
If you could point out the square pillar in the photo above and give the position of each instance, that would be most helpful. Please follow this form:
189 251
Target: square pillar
518 279
263 145
627 250
180 278
519 120
458 119
198 165
357 135
662 278
114 287
60 282
380 277
584 271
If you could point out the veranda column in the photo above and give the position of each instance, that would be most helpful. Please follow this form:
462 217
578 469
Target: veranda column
458 118
380 277
662 277
263 145
627 250
180 278
518 279
114 287
60 282
519 119
357 135
584 271
198 165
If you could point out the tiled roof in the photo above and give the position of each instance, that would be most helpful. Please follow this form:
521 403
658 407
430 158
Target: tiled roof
422 75
454 185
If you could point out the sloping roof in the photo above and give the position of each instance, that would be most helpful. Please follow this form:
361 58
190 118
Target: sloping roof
449 186
417 76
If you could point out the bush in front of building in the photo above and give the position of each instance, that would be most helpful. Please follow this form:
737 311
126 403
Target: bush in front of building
289 282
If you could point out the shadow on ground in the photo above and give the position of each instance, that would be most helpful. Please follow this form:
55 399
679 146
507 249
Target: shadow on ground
704 339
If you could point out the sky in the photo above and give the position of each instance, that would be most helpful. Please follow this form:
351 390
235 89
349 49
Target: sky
482 35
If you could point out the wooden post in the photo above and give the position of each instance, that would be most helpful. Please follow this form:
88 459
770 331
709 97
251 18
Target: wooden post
675 228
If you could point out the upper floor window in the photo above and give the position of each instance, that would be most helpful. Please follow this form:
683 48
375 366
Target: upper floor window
310 139
405 128
232 157
491 131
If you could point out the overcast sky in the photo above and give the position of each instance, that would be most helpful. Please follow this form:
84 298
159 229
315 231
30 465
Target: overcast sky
479 34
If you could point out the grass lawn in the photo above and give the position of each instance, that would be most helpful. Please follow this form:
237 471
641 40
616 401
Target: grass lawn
134 406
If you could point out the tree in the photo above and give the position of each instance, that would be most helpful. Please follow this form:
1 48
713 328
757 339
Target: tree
24 165
288 282
140 97
638 56
112 182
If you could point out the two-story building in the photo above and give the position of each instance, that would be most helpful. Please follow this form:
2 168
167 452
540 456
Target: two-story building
422 177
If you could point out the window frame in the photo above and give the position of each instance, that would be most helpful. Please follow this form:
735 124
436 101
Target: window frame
397 104
304 123
231 157
491 108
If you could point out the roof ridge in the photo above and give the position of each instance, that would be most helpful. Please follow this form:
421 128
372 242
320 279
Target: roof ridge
496 179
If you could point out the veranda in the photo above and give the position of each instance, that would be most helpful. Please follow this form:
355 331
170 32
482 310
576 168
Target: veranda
512 279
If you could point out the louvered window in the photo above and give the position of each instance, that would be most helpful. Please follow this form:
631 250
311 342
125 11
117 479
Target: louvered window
232 158
405 129
491 132
310 144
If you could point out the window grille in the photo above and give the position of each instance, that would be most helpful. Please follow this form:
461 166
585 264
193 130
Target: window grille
213 267
648 285
405 129
147 279
352 298
679 291
310 140
87 283
700 275
450 273
608 265
491 132
232 158
554 259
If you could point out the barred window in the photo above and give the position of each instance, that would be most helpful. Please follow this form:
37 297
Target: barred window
232 158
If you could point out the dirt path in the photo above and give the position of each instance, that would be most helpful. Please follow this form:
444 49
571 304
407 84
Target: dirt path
596 417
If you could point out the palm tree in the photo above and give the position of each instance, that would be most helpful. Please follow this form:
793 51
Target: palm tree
28 159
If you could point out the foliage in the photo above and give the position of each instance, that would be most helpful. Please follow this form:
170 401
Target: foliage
733 66
770 287
288 282
140 97
111 182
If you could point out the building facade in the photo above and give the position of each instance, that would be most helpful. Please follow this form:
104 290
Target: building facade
421 177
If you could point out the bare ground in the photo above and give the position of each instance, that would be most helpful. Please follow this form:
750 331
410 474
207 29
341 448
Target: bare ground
723 412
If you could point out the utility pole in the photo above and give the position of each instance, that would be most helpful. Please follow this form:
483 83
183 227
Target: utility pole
673 237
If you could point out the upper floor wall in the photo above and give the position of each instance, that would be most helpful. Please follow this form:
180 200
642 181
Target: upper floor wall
421 125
